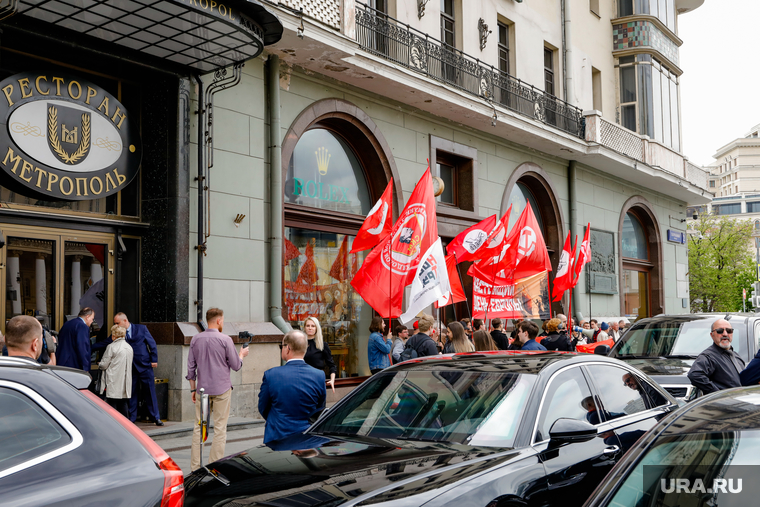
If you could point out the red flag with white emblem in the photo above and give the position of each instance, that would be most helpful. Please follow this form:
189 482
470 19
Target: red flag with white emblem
525 249
393 263
469 243
584 256
378 223
564 278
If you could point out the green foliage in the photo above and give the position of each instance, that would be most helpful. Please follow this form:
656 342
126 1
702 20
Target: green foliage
721 263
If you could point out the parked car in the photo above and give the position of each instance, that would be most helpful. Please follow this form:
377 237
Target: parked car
478 429
62 445
665 347
706 440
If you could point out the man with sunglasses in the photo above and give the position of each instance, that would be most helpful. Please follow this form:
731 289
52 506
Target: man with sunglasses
718 366
292 393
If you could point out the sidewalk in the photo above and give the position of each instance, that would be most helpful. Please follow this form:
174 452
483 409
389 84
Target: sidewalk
176 438
176 429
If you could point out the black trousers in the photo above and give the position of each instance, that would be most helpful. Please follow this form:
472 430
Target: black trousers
120 404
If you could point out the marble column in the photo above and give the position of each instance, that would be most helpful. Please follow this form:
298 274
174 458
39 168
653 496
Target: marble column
14 277
76 284
96 272
40 284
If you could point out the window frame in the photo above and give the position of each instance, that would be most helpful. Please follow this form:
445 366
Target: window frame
544 395
465 160
76 437
639 378
450 18
549 72
504 46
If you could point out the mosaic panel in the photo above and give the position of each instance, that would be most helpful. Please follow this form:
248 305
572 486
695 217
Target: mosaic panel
636 34
326 11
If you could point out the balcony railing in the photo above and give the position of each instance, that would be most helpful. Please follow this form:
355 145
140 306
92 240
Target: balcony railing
384 36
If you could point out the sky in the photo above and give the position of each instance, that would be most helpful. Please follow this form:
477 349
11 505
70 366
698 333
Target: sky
720 85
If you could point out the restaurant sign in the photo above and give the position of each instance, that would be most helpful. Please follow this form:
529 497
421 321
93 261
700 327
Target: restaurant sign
64 138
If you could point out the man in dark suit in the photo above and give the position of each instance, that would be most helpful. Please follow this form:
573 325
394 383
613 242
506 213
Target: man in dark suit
74 341
291 393
145 358
498 335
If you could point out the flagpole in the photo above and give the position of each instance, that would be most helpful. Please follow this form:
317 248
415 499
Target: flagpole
461 282
549 281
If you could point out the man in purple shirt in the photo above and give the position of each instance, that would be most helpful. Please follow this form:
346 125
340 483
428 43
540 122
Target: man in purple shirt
212 356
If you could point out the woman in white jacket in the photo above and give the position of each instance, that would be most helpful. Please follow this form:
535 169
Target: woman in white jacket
117 363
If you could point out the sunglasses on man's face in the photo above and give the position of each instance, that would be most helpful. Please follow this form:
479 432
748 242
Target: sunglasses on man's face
726 329
283 345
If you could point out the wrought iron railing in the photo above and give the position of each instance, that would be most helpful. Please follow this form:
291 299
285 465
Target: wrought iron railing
384 36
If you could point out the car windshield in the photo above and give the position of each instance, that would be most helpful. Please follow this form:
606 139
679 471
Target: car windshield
707 456
663 338
474 408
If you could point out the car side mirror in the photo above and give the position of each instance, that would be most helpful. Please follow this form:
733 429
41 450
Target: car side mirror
566 430
602 350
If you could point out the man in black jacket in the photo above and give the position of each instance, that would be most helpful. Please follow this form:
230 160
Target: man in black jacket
498 335
422 342
718 366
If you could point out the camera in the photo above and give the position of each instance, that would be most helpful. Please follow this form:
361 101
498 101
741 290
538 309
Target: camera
245 335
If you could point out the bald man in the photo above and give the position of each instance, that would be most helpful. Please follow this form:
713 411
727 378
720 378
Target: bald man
718 366
23 337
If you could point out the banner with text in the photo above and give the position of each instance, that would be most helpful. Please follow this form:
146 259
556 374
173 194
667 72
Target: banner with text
526 298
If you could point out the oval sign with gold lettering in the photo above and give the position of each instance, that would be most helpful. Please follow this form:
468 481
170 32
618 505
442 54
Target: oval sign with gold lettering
65 138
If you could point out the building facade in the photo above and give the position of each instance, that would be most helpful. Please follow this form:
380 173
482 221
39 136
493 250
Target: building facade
570 107
736 169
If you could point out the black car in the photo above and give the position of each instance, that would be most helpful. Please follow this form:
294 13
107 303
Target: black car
696 456
665 347
62 445
478 429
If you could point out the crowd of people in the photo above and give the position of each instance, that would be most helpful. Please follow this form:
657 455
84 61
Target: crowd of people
471 335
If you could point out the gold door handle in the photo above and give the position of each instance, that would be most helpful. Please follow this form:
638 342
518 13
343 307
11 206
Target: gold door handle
110 270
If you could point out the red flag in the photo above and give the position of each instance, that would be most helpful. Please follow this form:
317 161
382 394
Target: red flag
291 251
467 245
564 278
378 223
308 273
584 256
456 291
339 269
525 249
496 245
390 267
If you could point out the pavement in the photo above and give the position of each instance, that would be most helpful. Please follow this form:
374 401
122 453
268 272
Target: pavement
176 438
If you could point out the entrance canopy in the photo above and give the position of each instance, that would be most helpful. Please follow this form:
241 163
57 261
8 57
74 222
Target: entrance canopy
200 34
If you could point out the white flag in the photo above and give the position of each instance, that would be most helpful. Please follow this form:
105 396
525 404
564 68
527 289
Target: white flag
431 281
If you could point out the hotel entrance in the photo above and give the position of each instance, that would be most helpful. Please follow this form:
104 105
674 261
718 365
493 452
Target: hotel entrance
52 273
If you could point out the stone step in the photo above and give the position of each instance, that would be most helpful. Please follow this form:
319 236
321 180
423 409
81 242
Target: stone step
175 429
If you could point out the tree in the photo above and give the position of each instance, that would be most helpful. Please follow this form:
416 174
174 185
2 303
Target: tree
721 263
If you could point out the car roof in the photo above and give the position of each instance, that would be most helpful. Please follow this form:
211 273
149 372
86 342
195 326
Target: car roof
733 409
532 362
690 317
77 378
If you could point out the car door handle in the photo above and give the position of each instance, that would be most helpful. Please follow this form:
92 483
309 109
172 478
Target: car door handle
612 449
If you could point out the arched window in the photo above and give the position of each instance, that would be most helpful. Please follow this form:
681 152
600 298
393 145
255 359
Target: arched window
325 173
634 241
520 196
335 165
640 274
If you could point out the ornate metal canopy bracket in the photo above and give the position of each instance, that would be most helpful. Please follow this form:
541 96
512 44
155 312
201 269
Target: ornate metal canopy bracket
421 8
484 33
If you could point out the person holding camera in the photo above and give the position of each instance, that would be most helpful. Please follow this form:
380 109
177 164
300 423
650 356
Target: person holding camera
212 355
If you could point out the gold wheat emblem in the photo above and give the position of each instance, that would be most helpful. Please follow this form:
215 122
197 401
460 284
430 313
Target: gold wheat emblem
55 142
